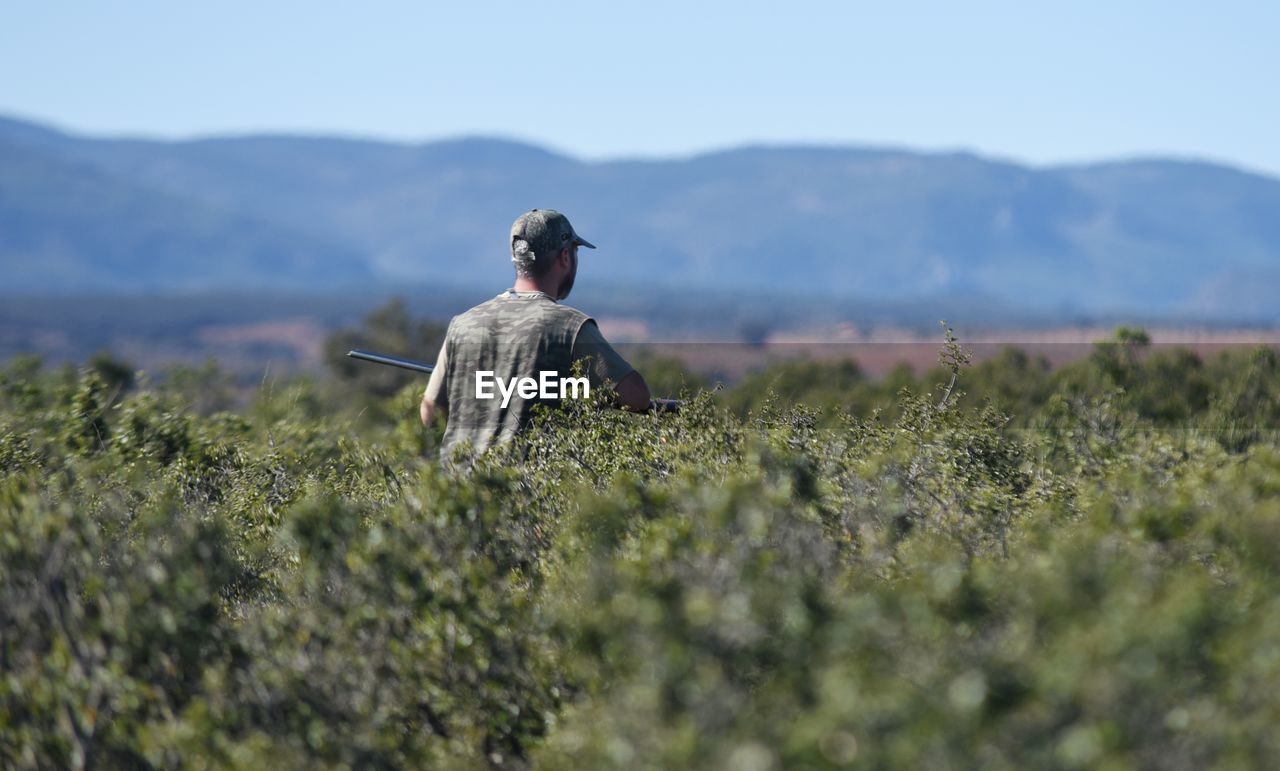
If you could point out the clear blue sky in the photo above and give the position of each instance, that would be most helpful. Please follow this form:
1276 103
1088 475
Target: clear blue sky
1079 81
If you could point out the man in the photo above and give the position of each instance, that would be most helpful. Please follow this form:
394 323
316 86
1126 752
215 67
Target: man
521 334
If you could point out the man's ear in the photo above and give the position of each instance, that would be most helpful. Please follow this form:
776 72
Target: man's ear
565 257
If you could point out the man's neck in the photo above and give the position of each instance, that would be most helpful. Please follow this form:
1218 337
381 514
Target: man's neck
524 284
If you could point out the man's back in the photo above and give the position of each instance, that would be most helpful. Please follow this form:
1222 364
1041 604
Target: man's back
513 336
523 335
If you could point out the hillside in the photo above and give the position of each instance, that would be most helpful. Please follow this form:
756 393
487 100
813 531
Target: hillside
71 226
881 224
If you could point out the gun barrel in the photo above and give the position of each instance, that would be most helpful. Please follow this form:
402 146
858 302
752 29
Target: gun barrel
394 361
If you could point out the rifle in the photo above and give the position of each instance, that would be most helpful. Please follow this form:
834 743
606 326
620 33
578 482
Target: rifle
394 361
656 405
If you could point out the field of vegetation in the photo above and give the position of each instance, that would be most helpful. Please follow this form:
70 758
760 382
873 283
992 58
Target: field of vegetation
995 565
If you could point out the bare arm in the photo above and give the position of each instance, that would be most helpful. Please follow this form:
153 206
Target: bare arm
434 402
633 393
430 412
629 390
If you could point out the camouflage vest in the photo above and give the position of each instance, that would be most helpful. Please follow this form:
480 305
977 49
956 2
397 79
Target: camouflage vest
513 337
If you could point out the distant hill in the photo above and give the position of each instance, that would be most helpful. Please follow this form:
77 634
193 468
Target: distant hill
68 225
880 224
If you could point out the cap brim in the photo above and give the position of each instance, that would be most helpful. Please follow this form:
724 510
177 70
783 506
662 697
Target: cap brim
580 241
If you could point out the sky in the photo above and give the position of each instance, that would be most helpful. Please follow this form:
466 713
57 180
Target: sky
1037 83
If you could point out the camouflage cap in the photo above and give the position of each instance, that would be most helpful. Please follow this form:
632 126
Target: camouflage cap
542 232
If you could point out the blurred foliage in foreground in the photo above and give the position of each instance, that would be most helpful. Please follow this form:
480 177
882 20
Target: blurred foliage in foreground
1019 568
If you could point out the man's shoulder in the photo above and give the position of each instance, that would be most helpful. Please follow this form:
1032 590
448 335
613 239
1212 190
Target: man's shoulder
573 312
520 306
507 309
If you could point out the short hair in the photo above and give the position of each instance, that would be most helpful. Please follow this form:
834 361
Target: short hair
528 264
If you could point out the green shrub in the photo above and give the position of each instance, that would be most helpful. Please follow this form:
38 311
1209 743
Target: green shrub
1005 567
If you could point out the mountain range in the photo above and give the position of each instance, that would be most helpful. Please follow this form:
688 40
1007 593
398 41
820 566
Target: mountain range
85 214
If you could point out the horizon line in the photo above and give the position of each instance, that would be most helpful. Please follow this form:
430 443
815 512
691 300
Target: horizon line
881 146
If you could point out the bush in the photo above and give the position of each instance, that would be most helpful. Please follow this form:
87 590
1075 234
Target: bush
1051 570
